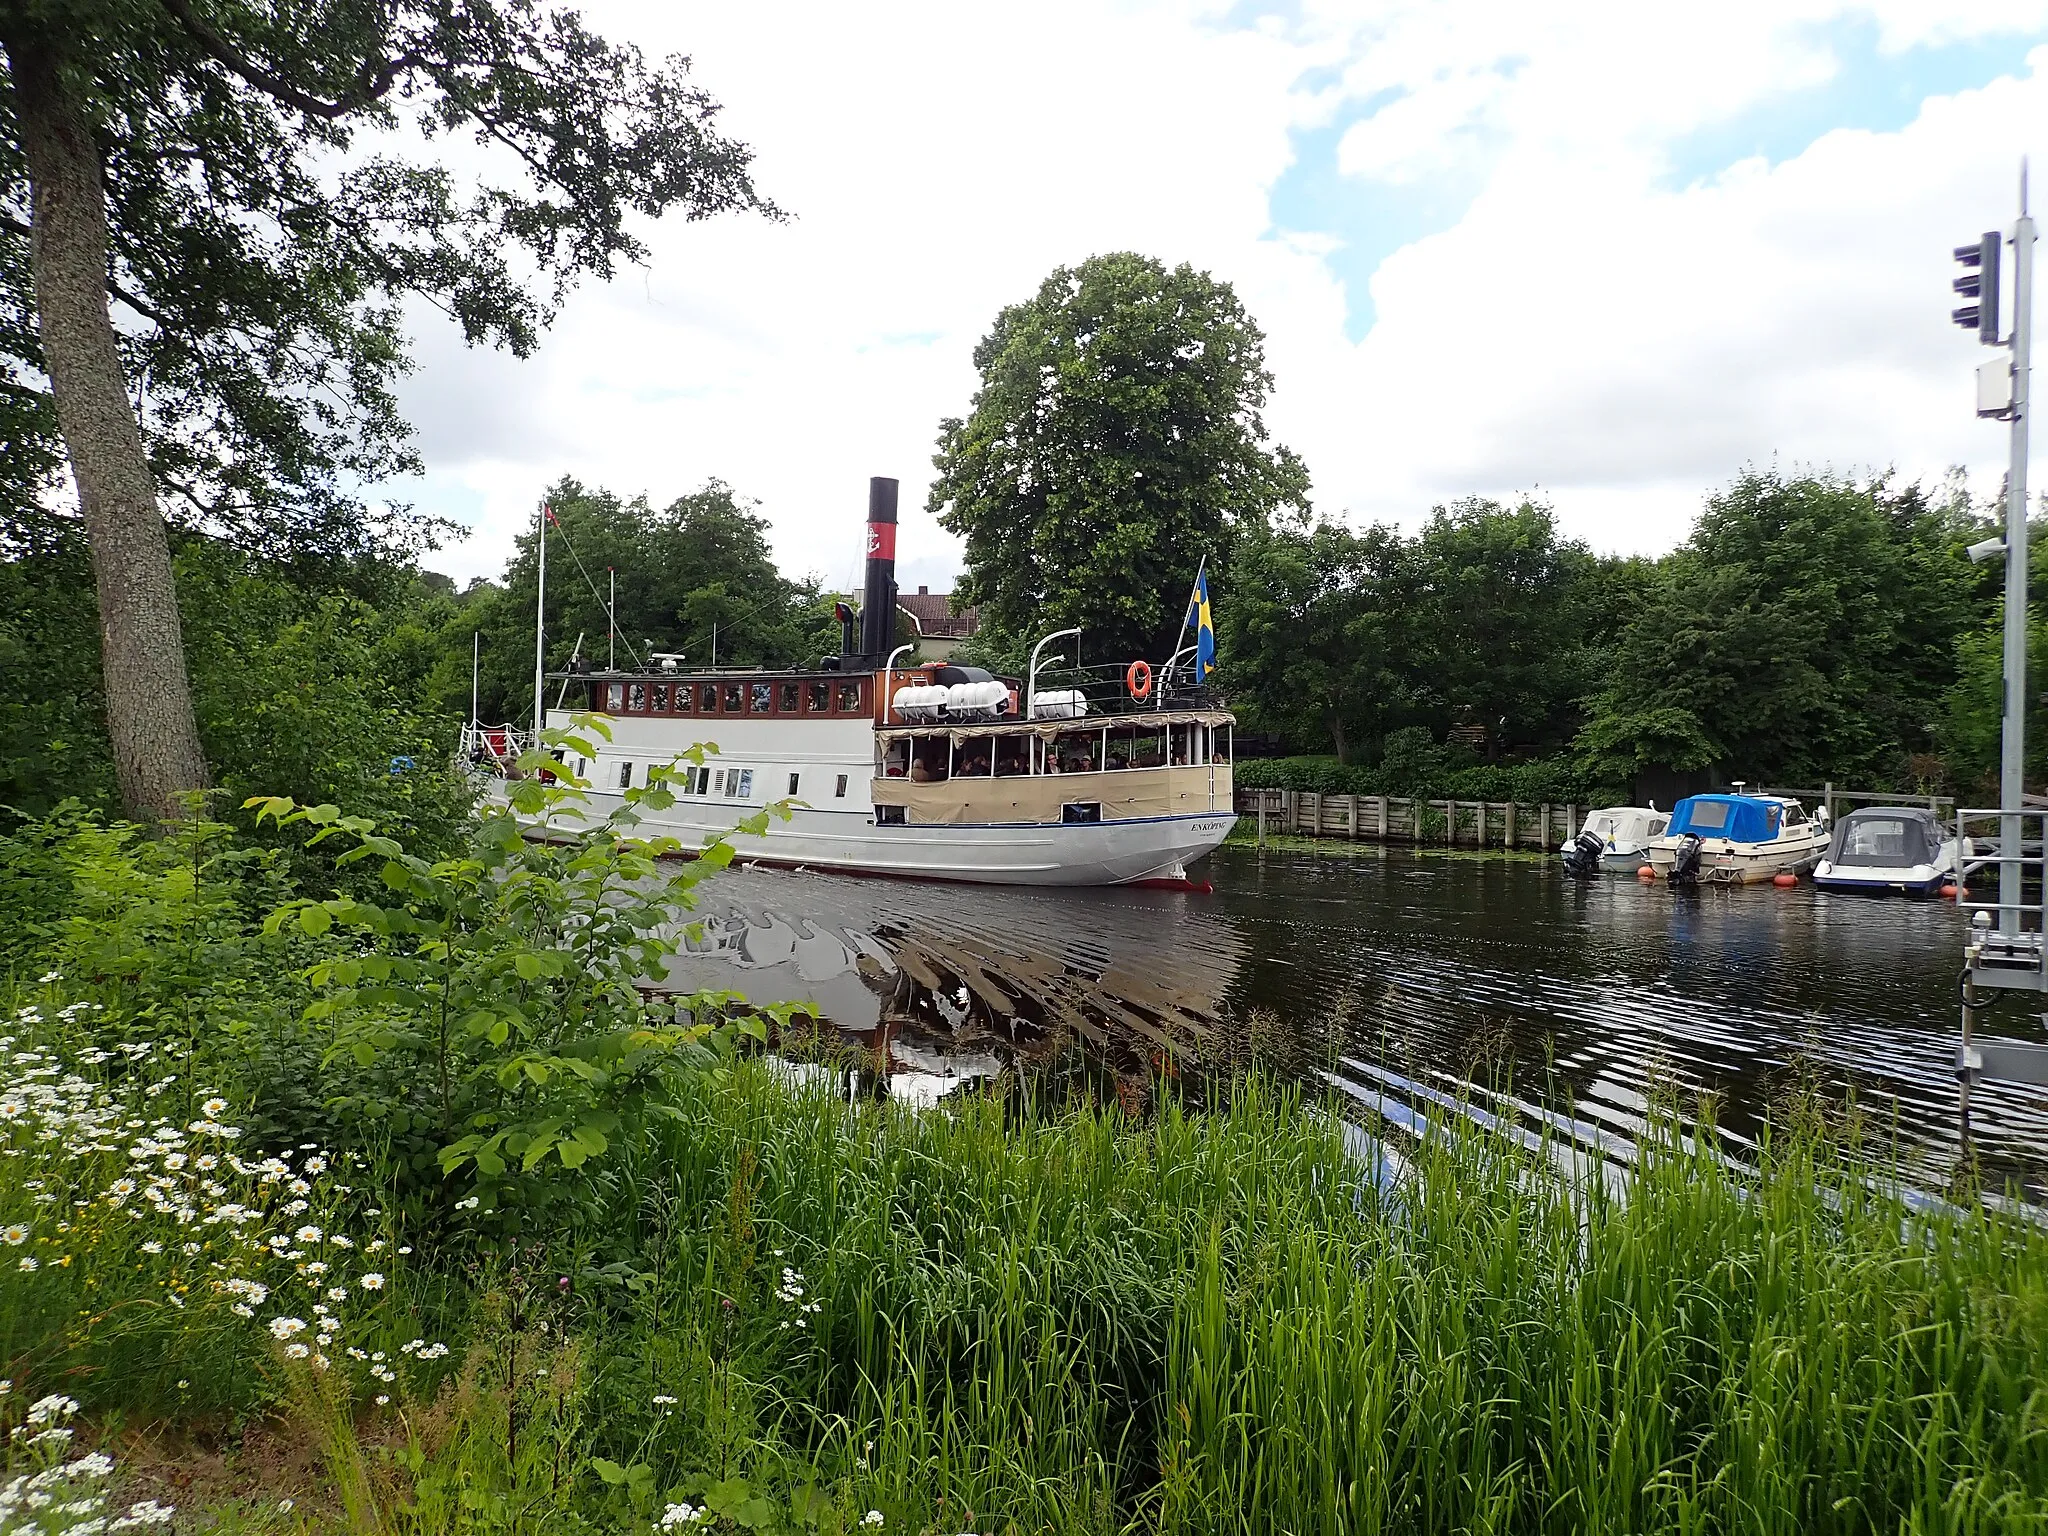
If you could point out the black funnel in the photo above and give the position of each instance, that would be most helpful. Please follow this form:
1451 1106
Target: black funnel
878 603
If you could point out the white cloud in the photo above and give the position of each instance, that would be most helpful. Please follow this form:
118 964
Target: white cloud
1620 342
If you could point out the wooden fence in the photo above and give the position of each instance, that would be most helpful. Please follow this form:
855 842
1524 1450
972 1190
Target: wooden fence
1390 818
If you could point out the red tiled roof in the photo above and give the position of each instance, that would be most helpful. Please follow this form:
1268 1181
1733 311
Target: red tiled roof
935 616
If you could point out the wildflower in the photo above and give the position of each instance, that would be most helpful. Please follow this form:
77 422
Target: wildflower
468 1205
6 1387
337 1293
662 1400
214 1108
148 1512
284 1506
306 1235
152 1247
14 1236
383 1398
678 1514
55 1406
296 1351
372 1281
285 1327
872 1517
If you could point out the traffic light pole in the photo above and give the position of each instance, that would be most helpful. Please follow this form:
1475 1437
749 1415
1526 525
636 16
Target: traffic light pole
2013 755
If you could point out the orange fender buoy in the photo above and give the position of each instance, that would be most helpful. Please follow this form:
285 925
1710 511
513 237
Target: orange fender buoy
1646 873
1784 882
1948 893
1139 680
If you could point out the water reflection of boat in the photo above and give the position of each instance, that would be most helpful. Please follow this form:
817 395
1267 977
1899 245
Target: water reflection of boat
937 985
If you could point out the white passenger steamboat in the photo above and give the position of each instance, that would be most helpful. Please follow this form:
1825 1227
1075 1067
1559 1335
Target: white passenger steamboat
927 771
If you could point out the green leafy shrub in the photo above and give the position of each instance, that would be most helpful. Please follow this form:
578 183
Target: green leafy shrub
1413 770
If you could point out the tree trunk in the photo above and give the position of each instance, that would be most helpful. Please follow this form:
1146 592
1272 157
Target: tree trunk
1336 724
142 653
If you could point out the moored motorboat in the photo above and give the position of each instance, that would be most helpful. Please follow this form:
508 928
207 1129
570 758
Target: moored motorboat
1613 839
1888 848
1737 839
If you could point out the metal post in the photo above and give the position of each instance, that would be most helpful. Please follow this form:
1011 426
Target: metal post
2012 763
540 619
888 682
1262 818
611 625
1965 1078
476 657
1031 676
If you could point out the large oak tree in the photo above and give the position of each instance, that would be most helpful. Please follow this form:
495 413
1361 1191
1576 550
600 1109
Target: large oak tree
1116 440
210 214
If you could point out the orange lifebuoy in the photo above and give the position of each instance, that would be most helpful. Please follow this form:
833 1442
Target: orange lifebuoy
1139 680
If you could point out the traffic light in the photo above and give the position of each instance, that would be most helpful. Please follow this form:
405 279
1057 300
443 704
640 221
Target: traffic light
1980 283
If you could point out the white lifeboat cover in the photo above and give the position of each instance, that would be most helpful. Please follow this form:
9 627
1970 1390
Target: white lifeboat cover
1059 704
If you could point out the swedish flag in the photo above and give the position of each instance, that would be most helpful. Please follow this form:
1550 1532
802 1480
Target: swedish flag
1205 627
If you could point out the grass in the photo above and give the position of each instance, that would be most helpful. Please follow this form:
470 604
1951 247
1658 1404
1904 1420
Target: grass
781 1305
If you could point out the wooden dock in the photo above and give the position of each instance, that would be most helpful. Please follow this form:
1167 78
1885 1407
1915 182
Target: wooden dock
1393 819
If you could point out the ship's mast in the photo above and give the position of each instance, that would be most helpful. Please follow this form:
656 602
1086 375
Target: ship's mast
540 608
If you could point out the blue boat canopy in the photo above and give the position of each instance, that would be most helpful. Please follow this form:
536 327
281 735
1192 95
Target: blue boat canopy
1743 818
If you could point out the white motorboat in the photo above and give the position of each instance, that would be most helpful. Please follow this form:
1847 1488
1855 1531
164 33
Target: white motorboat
1888 848
929 771
1613 840
1737 840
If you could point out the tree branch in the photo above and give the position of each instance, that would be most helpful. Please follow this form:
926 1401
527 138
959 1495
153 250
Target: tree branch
372 80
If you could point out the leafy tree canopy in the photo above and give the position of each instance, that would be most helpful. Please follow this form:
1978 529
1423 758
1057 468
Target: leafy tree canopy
702 562
1808 629
1115 441
271 200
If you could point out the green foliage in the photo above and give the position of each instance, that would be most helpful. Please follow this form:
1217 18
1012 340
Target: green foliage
1114 442
700 562
1808 630
493 1011
1972 722
308 680
273 199
1416 767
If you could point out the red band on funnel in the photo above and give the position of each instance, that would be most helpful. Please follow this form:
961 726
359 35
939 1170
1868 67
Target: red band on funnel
881 541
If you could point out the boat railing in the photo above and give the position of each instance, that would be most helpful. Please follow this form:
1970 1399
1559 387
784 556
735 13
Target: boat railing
493 749
2007 934
1107 690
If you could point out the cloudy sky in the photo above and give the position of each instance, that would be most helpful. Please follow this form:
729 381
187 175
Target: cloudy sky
1607 253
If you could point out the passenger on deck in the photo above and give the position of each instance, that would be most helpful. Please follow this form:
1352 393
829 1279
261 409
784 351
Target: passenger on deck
1013 760
975 764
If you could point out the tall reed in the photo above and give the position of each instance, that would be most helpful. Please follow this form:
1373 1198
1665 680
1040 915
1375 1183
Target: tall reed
1213 1323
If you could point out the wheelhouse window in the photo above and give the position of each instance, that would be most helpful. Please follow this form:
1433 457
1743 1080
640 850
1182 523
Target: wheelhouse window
763 698
614 697
849 698
818 697
787 700
636 698
658 698
735 702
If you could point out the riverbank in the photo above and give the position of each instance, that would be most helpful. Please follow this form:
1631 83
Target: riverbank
287 1291
1245 834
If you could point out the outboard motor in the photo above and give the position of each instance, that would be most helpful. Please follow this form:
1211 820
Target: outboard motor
1582 858
1685 862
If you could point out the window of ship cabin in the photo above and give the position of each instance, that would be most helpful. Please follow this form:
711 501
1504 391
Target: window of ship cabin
707 698
1013 756
636 698
1220 744
703 781
615 697
889 816
792 782
839 792
787 703
1187 745
626 775
895 762
744 790
1135 747
764 698
974 758
818 697
718 781
658 698
849 698
1073 752
1707 816
735 701
931 759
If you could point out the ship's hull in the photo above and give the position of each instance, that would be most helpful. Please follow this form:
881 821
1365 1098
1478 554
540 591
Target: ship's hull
1099 853
1724 862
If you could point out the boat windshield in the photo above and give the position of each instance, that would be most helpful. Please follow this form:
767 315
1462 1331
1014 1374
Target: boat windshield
1886 837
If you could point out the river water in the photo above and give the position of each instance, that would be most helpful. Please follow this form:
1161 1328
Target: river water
1413 982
